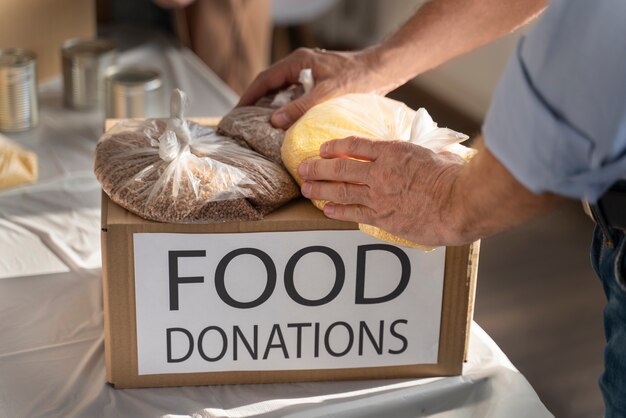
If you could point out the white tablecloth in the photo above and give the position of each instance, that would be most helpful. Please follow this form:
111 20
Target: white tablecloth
51 325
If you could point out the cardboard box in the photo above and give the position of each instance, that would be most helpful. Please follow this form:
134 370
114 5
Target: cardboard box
293 297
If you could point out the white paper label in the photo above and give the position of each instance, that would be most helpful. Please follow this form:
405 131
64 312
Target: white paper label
283 301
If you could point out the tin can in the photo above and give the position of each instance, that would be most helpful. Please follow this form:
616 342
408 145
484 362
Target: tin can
133 92
85 62
18 90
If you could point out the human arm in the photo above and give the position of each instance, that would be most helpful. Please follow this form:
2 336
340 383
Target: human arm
419 195
556 122
438 31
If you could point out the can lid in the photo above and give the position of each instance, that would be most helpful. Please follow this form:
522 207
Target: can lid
145 78
86 47
16 57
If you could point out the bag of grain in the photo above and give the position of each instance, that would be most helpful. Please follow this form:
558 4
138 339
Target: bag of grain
172 170
370 116
252 125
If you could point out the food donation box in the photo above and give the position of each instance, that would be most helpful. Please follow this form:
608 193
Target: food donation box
293 297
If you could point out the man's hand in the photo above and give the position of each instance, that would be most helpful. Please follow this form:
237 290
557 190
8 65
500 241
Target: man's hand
402 188
335 74
438 31
416 194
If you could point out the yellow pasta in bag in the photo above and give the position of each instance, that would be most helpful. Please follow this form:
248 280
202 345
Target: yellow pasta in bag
369 116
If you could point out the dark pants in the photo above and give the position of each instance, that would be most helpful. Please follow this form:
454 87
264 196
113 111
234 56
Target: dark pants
608 255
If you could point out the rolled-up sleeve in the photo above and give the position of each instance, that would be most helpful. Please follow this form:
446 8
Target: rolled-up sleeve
561 126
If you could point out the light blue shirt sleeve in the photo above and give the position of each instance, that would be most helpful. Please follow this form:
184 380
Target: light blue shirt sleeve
558 118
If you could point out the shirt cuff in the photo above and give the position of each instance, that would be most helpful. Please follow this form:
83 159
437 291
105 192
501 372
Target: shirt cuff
536 144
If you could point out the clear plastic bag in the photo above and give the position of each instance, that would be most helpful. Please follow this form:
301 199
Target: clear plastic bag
369 116
17 166
172 170
252 125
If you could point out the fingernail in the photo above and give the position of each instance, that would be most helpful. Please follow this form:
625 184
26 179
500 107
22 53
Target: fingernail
281 120
329 209
303 169
323 148
306 189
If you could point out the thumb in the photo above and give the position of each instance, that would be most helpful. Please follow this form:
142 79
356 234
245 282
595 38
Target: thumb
284 117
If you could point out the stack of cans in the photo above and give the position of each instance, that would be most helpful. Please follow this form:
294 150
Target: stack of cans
91 80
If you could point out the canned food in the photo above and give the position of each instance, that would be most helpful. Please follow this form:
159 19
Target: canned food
85 62
18 90
133 92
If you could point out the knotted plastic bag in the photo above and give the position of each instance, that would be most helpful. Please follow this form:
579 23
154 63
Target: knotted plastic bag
370 116
172 170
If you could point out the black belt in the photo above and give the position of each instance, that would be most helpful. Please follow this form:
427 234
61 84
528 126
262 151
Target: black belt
610 210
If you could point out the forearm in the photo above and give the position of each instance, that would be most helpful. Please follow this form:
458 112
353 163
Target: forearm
486 199
413 193
443 29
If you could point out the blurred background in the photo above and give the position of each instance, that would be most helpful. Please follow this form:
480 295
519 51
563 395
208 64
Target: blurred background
537 296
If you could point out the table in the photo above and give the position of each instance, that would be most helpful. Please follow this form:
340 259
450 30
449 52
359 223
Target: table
51 323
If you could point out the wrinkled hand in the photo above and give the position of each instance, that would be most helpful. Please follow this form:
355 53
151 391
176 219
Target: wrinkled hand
335 74
400 187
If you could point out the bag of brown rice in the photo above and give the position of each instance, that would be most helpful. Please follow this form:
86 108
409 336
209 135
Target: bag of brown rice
251 124
172 170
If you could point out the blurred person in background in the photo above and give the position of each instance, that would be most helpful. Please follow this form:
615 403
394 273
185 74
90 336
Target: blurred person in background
231 36
556 129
